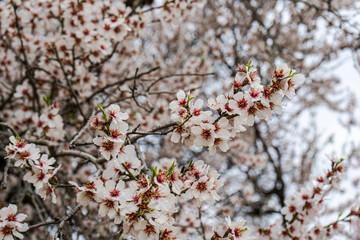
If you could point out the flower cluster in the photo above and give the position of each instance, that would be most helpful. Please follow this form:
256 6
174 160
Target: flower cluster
146 205
39 167
11 223
138 54
50 124
176 10
302 209
236 109
111 131
234 230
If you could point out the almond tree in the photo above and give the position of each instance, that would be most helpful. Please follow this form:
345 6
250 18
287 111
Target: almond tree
167 119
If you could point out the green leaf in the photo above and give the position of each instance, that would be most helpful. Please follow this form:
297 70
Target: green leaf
102 110
47 99
154 173
171 168
249 64
189 98
338 163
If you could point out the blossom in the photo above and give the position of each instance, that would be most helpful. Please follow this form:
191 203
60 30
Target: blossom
113 170
18 144
290 209
45 162
222 136
204 133
180 102
127 159
22 90
240 80
179 114
48 190
11 223
117 131
252 111
85 193
238 229
177 133
109 198
238 123
108 148
201 188
219 143
281 71
253 77
255 93
289 83
240 102
113 111
97 122
195 111
40 176
218 103
27 154
271 98
204 187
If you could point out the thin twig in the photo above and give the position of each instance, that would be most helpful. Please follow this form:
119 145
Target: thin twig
73 94
105 59
80 154
4 124
5 175
138 153
64 220
153 132
120 82
202 225
79 133
177 75
43 224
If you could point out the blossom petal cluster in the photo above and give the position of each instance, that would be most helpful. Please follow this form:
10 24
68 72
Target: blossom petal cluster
302 210
144 205
233 230
11 223
40 169
238 108
50 124
137 54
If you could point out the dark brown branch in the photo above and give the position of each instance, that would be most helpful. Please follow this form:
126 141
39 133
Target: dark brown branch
43 224
5 175
73 94
178 75
59 232
6 125
105 59
280 191
201 225
82 129
120 83
80 154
